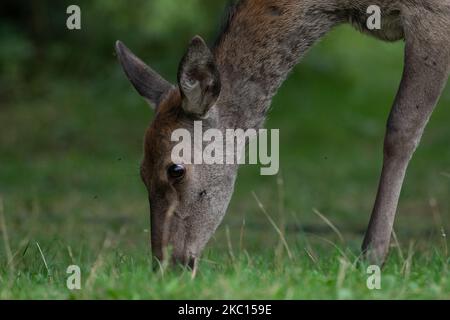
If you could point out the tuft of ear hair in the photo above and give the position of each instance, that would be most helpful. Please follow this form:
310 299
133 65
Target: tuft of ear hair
198 79
145 80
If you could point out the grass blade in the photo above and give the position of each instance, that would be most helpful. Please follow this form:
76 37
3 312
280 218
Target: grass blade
330 224
49 274
4 230
280 233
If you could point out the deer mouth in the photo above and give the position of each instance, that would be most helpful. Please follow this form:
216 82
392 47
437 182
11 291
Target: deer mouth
176 245
187 261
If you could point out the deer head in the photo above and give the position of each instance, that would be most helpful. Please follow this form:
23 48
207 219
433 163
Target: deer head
187 201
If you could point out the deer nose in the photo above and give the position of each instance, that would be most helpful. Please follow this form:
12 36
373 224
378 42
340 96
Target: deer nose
186 261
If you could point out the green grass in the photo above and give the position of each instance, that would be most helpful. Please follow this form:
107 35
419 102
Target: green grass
329 275
69 158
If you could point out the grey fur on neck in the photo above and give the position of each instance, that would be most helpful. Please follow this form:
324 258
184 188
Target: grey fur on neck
254 60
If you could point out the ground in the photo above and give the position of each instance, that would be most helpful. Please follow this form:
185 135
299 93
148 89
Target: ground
71 194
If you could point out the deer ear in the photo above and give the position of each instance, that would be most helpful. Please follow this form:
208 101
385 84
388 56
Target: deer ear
147 82
198 78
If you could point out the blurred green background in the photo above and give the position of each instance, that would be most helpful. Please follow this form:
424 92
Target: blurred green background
71 129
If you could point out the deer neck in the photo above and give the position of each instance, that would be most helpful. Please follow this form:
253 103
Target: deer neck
261 42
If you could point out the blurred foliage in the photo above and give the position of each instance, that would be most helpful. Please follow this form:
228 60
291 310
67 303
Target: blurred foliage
35 43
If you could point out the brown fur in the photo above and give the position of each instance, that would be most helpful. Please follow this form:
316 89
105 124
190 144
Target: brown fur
232 87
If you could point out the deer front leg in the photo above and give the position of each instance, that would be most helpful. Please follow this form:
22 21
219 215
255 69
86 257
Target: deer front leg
425 74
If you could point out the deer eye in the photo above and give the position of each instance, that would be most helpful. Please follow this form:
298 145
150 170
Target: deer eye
176 171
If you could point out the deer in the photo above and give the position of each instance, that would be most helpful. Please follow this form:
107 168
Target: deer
231 83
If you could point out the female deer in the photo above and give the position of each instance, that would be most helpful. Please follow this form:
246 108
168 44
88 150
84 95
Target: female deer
232 84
